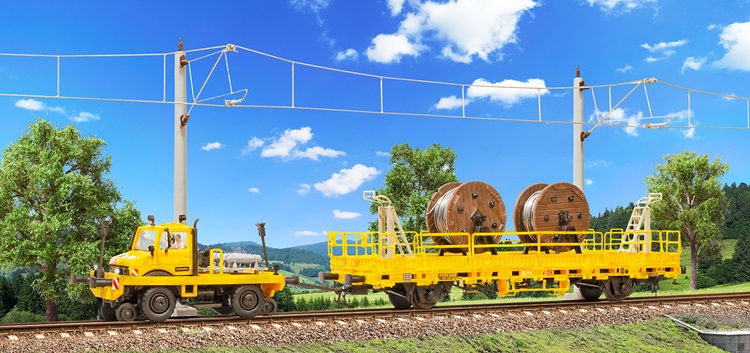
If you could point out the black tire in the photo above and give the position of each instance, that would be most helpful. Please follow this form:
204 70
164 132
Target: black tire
126 312
269 307
618 288
425 298
107 312
223 310
158 304
590 293
247 301
400 302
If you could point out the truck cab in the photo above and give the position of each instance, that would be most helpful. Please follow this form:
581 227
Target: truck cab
166 249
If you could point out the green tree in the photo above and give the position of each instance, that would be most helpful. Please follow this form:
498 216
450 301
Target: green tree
284 300
741 260
414 176
54 191
693 200
737 215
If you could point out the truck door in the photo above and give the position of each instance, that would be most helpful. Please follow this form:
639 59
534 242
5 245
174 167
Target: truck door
174 255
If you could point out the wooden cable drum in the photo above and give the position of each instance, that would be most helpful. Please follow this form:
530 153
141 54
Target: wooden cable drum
451 207
540 207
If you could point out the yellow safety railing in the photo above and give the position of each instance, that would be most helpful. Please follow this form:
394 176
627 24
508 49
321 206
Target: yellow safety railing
372 244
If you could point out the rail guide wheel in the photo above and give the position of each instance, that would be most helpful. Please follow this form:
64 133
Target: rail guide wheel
554 207
464 208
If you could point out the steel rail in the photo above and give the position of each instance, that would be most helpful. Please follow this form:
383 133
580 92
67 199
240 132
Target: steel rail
309 316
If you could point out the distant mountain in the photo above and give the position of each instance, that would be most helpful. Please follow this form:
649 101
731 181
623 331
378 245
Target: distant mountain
318 248
286 255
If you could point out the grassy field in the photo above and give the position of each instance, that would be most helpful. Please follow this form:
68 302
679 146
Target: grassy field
659 335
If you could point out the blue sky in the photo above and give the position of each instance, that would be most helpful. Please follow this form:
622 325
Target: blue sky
303 171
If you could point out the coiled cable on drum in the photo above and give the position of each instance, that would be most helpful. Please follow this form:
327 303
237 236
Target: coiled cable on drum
528 213
440 211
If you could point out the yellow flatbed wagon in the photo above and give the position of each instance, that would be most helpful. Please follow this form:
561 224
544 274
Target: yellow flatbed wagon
603 262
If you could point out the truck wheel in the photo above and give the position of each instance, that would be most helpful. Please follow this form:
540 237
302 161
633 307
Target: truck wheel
247 301
126 312
107 313
158 303
269 306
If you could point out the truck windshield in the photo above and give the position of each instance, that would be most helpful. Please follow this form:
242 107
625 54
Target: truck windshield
145 239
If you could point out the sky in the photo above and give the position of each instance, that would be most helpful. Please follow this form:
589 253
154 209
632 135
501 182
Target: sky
303 171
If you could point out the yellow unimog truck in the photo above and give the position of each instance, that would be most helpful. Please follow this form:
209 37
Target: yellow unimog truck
164 266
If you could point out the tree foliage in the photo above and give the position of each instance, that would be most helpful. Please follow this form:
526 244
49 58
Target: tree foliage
54 192
737 215
693 200
414 176
610 219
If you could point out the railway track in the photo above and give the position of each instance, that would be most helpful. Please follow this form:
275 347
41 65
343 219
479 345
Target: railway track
53 329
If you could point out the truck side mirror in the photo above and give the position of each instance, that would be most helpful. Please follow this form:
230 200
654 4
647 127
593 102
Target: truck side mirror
151 249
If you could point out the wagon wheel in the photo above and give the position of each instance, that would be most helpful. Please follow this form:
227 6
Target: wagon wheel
400 302
590 293
247 301
618 288
425 297
107 312
126 312
158 303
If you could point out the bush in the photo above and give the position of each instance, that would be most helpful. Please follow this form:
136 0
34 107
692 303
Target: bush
705 281
18 316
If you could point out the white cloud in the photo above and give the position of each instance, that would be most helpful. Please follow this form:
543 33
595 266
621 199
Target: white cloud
451 102
314 6
345 214
508 96
252 144
682 116
307 233
651 59
663 47
212 146
711 27
253 190
619 116
346 180
303 189
287 146
315 152
735 38
689 133
598 163
382 154
30 104
33 104
620 6
83 117
589 182
347 54
625 68
282 147
395 6
693 63
389 48
464 28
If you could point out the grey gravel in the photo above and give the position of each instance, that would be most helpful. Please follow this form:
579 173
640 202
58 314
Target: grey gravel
352 329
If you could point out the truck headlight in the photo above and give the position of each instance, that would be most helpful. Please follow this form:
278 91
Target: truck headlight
120 270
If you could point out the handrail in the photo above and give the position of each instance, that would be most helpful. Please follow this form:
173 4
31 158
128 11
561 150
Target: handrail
367 244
